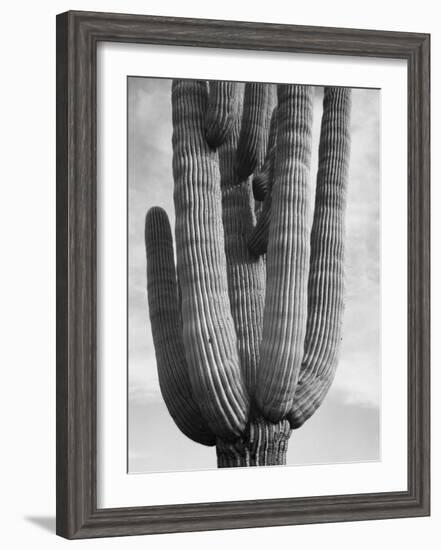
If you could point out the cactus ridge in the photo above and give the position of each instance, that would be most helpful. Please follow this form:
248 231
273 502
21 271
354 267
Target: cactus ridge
209 335
284 322
221 112
166 330
326 277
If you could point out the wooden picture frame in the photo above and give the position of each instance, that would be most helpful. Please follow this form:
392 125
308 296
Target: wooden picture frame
78 34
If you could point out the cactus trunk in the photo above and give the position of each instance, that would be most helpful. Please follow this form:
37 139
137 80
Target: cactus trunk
263 443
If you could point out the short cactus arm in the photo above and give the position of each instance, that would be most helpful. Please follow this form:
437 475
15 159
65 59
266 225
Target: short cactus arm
208 330
263 179
257 108
284 322
326 278
258 240
262 188
221 112
166 330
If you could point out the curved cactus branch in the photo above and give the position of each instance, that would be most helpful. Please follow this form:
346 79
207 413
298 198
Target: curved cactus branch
221 111
326 277
208 329
166 330
308 400
257 108
284 322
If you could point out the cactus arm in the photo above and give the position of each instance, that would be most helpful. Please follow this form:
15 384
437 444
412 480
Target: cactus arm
221 111
263 179
326 278
262 186
208 329
246 277
166 330
266 136
257 107
258 240
284 322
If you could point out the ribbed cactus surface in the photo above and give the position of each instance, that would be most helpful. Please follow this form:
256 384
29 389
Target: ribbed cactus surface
284 321
326 271
208 328
167 331
258 98
247 326
263 178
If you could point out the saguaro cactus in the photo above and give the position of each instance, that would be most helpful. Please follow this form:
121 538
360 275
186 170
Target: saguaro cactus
247 327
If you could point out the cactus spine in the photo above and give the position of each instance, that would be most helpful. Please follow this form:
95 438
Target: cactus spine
248 347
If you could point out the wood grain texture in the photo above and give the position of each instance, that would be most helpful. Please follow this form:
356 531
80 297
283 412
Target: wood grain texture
77 36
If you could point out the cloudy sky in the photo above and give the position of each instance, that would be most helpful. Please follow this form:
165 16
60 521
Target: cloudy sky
346 427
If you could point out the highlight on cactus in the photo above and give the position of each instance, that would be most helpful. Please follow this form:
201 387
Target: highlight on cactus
246 294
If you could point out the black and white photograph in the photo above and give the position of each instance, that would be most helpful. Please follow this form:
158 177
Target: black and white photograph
253 271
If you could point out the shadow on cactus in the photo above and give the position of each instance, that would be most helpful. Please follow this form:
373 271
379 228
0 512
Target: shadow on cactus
247 324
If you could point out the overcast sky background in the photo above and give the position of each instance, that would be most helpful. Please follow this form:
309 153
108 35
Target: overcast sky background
346 426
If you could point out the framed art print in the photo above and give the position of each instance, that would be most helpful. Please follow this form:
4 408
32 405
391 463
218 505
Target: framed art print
242 274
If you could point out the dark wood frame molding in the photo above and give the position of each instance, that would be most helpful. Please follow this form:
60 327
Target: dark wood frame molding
78 34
